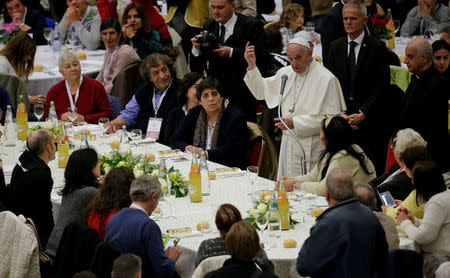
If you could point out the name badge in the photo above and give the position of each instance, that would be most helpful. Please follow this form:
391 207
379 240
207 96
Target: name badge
153 128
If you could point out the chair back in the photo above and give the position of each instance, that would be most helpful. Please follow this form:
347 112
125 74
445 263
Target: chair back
126 83
400 77
105 255
75 250
402 263
209 264
262 152
15 87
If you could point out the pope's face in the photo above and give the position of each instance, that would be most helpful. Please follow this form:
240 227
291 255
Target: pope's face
299 57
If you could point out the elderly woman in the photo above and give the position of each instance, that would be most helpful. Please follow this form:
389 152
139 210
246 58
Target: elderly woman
242 243
433 231
395 180
152 102
340 152
139 32
226 216
82 19
81 93
214 126
186 99
81 182
117 55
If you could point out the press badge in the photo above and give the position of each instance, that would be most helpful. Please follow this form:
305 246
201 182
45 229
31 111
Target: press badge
153 128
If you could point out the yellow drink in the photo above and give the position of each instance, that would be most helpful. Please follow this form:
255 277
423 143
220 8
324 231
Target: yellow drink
195 181
115 144
283 206
63 154
22 121
391 28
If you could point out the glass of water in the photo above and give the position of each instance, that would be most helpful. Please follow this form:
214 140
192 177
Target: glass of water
252 172
169 197
39 111
136 135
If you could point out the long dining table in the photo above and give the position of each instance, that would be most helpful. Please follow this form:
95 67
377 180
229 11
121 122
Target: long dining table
233 187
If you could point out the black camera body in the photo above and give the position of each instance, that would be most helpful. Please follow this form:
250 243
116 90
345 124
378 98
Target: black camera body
208 41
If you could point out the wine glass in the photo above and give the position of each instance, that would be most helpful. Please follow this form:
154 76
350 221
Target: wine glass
47 33
396 25
136 135
39 111
103 124
71 38
252 172
72 114
169 197
262 221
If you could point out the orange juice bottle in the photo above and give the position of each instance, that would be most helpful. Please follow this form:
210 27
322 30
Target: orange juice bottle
22 120
63 146
195 181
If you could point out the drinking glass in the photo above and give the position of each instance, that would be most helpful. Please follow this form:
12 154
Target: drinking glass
71 38
169 197
396 25
252 172
72 113
136 135
39 111
103 124
47 33
261 221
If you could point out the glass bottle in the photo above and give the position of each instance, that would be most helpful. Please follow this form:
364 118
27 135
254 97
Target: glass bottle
206 189
124 139
195 181
10 129
63 146
390 26
22 120
274 218
52 117
84 143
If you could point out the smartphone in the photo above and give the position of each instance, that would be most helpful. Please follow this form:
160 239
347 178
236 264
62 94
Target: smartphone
169 241
387 199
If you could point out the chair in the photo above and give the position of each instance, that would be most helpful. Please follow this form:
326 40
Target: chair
273 23
16 88
402 263
75 250
115 105
126 83
19 253
262 152
209 264
105 255
400 77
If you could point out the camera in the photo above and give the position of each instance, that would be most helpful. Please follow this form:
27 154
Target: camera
208 41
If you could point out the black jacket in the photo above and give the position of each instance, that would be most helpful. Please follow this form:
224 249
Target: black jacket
237 269
34 18
174 120
29 193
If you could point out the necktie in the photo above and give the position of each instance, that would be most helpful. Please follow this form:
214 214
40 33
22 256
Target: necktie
222 35
351 69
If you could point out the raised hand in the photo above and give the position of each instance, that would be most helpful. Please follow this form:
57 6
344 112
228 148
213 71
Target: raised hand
249 56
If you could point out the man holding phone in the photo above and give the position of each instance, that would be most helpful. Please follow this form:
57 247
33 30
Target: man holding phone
134 232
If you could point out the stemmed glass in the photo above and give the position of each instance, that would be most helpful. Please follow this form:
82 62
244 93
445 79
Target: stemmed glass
252 172
262 221
47 33
39 111
169 197
136 135
71 38
72 114
396 25
103 124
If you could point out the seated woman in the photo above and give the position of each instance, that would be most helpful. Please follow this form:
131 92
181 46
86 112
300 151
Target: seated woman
139 32
335 136
410 156
291 21
441 58
81 177
112 196
242 243
226 216
395 180
81 92
214 126
373 8
433 231
17 59
82 19
117 55
186 99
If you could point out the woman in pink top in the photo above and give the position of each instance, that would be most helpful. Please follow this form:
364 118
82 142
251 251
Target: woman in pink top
117 55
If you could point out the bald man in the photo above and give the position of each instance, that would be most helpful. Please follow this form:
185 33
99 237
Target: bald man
424 106
31 182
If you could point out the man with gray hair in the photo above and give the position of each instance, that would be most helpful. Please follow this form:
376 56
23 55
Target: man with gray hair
424 106
134 232
127 266
347 239
366 195
312 93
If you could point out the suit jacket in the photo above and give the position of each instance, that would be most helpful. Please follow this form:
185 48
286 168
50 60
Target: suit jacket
233 137
400 186
34 18
231 71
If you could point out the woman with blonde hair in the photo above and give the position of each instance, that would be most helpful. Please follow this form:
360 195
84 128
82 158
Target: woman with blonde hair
291 21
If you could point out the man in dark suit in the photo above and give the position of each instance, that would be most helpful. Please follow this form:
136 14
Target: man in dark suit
31 20
227 62
424 106
359 62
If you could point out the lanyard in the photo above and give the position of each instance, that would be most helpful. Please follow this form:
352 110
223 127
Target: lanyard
106 72
69 94
136 206
157 106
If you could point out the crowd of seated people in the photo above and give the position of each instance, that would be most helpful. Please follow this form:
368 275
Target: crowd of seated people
208 110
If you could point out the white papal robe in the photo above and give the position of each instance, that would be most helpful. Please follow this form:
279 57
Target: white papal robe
311 97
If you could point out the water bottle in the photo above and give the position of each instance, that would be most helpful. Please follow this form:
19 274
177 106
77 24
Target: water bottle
10 129
84 144
206 190
124 139
274 218
56 46
52 117
2 21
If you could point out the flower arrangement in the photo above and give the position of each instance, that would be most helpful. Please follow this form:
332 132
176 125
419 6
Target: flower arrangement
260 208
53 128
142 166
379 27
11 29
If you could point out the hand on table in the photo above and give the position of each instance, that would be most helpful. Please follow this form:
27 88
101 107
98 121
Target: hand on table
249 56
111 128
173 253
40 99
288 183
288 121
193 149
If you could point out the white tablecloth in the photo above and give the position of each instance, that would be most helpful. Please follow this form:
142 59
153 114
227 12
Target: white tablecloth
232 189
40 82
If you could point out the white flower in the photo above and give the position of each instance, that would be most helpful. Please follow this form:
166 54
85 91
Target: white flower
138 172
267 198
163 183
121 163
262 208
107 168
254 213
155 172
48 125
108 156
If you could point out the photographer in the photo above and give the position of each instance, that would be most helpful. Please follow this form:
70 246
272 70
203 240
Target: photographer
223 46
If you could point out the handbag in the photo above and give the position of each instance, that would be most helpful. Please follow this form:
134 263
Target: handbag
43 257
